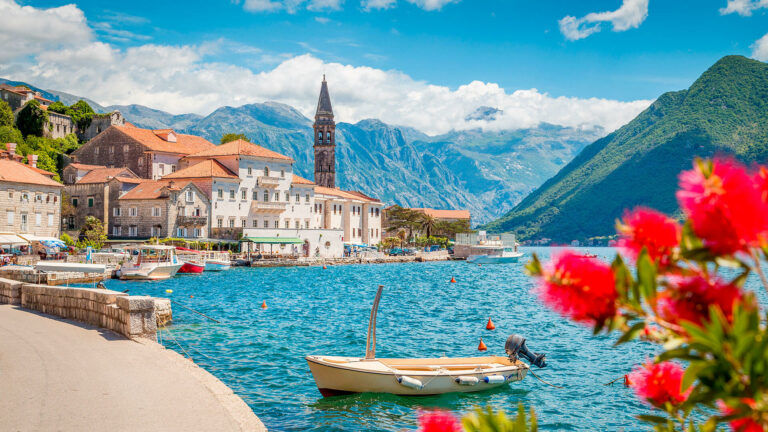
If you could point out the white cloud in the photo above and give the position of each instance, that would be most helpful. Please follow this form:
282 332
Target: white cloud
760 48
182 79
290 6
378 4
631 14
743 7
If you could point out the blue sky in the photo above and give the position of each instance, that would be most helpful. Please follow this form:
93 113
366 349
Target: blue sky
518 45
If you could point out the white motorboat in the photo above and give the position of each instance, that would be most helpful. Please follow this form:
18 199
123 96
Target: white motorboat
418 376
217 261
495 255
150 262
483 248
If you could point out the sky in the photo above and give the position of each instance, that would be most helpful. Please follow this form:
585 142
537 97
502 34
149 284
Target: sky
428 64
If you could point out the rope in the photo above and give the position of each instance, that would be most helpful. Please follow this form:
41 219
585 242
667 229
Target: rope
537 377
177 343
199 313
613 381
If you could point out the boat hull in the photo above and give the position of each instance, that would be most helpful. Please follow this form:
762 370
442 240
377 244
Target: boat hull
216 265
335 377
487 259
190 267
156 273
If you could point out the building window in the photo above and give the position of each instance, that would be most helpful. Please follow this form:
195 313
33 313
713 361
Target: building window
221 193
244 194
377 212
111 149
190 196
50 219
117 230
255 223
90 201
197 232
197 211
173 168
220 222
266 196
133 211
266 223
298 224
276 224
180 232
231 223
377 232
320 135
231 194
287 197
282 173
298 198
156 211
250 171
162 169
328 136
266 171
141 162
242 223
306 224
116 211
96 151
133 231
287 224
182 211
10 216
74 202
255 195
277 196
306 198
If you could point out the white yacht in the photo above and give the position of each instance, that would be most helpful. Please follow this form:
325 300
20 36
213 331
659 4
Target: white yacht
482 248
150 262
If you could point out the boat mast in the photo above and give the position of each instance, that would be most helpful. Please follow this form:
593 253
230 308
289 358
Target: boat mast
370 345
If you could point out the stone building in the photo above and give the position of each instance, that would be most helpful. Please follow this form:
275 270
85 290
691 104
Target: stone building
95 194
30 202
325 140
59 125
150 154
161 208
17 97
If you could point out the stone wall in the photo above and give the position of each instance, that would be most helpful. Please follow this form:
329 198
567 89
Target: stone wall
115 149
131 316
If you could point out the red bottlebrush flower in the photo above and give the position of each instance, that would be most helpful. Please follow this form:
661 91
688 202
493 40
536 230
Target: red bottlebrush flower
656 232
438 421
725 206
689 298
659 383
744 424
579 287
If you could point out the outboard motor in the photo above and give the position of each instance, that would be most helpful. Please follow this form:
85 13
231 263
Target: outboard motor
515 347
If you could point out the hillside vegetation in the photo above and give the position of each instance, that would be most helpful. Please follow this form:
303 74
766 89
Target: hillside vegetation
723 112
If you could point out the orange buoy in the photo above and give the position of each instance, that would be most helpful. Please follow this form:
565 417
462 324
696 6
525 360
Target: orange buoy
325 268
482 346
191 296
490 325
627 382
453 279
479 265
264 304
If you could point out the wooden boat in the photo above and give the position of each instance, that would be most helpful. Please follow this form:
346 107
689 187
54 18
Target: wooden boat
150 262
417 376
191 267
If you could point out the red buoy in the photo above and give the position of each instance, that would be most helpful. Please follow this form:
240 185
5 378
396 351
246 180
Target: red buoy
482 346
264 304
627 382
490 325
453 279
325 268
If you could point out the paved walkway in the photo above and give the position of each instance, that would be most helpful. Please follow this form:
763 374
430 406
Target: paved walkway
62 375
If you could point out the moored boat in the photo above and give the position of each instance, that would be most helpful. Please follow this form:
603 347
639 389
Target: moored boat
482 248
191 267
194 261
151 262
217 261
418 376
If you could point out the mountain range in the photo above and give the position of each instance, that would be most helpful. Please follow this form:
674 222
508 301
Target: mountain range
725 111
486 172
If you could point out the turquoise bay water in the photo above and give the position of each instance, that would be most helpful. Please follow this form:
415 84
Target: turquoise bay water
260 353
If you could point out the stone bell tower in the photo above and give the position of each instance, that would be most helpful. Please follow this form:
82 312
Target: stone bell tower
325 140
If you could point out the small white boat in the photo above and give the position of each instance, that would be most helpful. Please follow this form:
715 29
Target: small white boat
418 376
495 255
217 261
150 262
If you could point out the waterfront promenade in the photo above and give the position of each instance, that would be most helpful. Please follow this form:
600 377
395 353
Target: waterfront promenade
58 374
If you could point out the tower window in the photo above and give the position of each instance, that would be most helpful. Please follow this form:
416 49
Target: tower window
328 136
320 135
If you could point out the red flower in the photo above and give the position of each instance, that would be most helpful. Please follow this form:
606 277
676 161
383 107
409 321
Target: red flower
724 204
579 287
744 424
652 230
689 298
438 421
659 383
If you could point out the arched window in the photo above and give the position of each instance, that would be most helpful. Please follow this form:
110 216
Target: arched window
266 171
320 135
328 136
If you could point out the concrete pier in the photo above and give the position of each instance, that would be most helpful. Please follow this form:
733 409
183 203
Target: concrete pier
58 374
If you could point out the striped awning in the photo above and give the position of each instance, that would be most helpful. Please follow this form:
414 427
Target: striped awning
273 240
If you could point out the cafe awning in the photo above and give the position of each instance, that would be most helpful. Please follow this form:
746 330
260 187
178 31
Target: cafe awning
273 240
46 241
11 239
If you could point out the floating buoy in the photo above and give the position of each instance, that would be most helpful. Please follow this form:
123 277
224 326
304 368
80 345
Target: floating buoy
490 325
482 346
264 304
191 296
453 279
169 291
627 382
479 265
325 267
467 380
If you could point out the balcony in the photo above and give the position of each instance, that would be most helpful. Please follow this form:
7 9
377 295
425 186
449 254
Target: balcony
268 182
191 221
267 207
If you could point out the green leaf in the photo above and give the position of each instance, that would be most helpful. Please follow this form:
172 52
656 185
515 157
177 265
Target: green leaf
646 275
632 333
692 373
533 268
653 419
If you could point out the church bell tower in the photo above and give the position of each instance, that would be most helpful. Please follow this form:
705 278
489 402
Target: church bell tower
325 140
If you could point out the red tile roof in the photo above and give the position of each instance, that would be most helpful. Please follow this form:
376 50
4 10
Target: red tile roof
205 169
301 180
41 171
14 172
444 214
101 175
240 147
185 144
151 189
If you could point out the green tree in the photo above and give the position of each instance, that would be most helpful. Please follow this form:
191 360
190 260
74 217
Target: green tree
67 239
31 119
9 134
227 137
81 114
6 114
427 224
400 218
58 107
92 232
